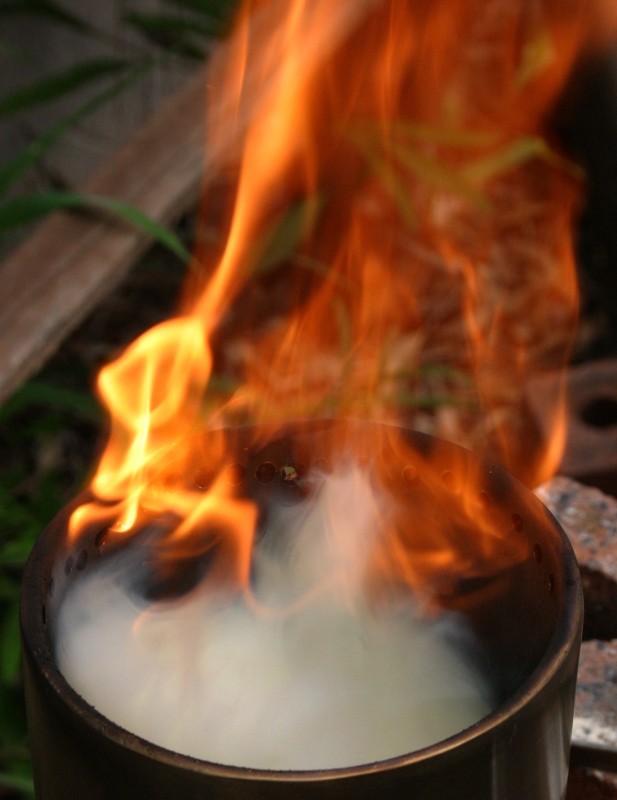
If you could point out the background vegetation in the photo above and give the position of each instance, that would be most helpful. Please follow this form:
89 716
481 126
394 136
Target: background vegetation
49 429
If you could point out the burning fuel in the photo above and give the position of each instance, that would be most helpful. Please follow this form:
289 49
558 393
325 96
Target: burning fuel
396 156
303 674
404 150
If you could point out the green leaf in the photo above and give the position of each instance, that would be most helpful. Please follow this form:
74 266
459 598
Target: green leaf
10 50
537 55
286 233
15 552
10 172
428 400
164 23
37 392
220 9
44 8
174 33
386 173
21 783
458 138
23 210
17 519
61 83
515 155
51 495
9 644
437 174
130 214
9 587
222 384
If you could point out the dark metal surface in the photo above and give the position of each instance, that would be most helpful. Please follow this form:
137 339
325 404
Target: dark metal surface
591 448
528 617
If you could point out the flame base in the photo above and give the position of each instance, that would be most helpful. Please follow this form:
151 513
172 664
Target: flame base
527 616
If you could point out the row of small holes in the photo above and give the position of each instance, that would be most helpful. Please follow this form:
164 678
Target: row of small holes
539 555
82 560
268 471
79 564
265 473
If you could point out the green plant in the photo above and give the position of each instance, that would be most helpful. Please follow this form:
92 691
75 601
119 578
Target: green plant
35 480
34 484
50 430
188 35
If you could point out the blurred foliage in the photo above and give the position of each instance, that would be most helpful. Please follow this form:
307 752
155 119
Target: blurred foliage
37 476
187 32
50 430
457 161
44 425
44 461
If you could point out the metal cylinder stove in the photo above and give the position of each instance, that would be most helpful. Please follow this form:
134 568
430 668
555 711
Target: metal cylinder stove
527 616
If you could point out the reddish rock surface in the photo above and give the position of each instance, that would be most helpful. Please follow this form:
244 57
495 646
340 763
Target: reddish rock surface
589 517
586 784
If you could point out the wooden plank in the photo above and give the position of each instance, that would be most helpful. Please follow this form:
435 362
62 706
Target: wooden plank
70 262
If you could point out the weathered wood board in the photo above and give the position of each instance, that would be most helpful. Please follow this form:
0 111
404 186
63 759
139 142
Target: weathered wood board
71 261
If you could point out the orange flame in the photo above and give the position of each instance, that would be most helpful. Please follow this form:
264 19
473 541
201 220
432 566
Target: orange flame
397 245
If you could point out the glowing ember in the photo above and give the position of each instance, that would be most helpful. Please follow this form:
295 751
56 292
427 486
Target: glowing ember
395 158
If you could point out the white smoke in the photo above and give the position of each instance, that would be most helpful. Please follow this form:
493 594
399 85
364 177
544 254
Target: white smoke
305 677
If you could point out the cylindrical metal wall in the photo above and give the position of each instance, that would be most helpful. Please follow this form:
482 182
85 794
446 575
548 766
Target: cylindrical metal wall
531 627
